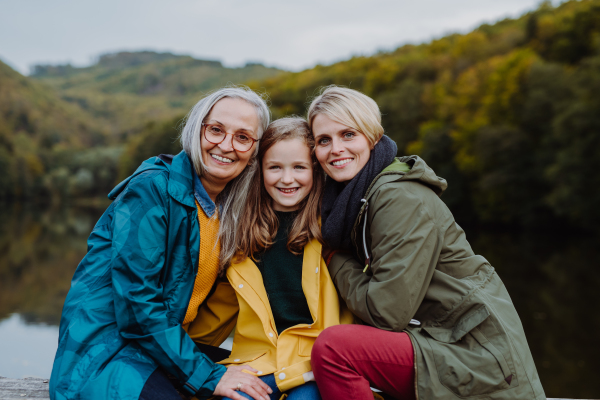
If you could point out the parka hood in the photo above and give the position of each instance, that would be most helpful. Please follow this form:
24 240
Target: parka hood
153 163
181 176
420 171
411 168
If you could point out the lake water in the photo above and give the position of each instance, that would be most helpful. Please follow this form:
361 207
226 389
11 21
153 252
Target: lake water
553 278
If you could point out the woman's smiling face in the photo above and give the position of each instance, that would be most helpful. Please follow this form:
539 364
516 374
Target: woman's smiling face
342 151
223 162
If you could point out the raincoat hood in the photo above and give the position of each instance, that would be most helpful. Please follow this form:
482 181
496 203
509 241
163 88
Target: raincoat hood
151 164
409 168
180 184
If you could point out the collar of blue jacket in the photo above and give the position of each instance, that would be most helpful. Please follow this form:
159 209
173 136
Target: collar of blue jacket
208 206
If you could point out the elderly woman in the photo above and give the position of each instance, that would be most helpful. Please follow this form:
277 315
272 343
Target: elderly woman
439 323
153 258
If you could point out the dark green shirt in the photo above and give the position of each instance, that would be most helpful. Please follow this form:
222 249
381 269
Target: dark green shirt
282 276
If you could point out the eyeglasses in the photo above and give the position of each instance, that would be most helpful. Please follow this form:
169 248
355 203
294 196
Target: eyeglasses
215 134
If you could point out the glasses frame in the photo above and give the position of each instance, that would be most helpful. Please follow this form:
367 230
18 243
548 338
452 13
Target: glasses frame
225 137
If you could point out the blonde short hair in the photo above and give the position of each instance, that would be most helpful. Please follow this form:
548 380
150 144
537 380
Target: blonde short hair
348 107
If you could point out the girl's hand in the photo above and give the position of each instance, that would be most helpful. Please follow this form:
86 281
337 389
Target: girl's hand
250 384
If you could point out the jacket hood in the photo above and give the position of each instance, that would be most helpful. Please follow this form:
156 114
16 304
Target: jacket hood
153 163
180 184
420 171
409 168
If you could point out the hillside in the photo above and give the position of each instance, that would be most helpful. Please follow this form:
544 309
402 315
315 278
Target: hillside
509 113
127 89
36 129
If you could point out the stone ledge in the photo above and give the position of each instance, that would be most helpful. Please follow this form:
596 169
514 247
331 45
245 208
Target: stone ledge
28 388
36 388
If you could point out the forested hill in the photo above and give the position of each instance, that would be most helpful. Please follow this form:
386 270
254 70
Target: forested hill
127 89
508 113
36 129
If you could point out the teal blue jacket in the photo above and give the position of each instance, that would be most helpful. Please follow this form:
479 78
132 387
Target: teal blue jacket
122 317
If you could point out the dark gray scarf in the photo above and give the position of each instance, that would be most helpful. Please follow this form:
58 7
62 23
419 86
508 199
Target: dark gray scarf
341 203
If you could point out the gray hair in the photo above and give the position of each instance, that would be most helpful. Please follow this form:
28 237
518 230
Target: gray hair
234 204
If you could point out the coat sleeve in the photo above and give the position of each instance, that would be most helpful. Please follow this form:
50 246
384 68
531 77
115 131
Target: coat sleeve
139 249
405 247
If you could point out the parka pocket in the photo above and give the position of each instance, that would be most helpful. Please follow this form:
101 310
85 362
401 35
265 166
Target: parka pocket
467 361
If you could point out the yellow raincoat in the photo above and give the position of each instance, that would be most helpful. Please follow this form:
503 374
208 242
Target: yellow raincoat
256 342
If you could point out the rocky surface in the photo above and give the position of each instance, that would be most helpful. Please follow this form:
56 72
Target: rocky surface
34 388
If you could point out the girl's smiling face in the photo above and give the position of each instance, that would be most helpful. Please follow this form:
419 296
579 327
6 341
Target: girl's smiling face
287 173
342 151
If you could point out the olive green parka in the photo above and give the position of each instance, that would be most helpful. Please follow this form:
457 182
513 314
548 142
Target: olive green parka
470 343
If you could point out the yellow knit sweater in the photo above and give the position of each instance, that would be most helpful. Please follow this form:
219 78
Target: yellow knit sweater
208 262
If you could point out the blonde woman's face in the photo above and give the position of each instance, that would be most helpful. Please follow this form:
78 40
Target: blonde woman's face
341 150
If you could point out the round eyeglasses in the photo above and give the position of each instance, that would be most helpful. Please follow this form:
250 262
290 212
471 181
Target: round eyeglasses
216 134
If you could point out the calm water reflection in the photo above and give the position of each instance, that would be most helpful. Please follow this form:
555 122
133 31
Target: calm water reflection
553 279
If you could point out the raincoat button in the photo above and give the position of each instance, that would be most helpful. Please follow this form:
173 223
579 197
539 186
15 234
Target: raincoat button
236 360
241 286
259 373
281 376
271 334
317 270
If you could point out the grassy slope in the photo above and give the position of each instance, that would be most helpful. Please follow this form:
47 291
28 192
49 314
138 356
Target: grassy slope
126 90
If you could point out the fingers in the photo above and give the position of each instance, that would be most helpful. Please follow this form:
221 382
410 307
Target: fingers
250 390
232 394
249 368
256 383
256 388
239 376
265 387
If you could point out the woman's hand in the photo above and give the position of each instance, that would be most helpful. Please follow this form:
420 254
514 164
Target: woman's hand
250 384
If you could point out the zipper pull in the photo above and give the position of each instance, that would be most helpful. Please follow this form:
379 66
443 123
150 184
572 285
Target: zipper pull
367 258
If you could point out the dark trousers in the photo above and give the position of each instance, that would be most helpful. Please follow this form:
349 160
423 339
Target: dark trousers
161 386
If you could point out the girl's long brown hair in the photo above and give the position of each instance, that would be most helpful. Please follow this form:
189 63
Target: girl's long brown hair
259 224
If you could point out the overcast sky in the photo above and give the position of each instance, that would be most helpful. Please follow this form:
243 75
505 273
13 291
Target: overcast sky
288 34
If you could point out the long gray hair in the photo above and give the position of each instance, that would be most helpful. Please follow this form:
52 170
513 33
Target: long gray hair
233 205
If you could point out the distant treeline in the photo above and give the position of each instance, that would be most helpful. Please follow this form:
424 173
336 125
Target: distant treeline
509 114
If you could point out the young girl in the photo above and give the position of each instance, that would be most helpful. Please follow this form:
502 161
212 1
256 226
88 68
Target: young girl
279 283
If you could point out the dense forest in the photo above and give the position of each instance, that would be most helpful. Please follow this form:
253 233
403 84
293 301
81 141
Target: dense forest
509 114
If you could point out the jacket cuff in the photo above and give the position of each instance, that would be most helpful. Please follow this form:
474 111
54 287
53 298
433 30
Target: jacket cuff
337 262
202 384
292 376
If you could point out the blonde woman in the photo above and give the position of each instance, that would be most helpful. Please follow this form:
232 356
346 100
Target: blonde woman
439 323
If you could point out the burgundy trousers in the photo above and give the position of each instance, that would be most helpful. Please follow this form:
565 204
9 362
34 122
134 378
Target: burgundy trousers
349 359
